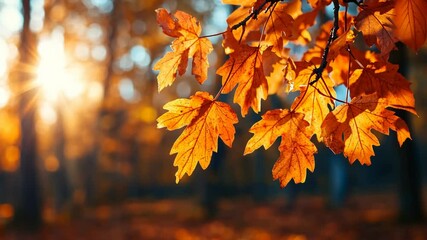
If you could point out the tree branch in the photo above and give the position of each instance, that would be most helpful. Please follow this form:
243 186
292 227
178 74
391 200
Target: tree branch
357 2
254 14
332 36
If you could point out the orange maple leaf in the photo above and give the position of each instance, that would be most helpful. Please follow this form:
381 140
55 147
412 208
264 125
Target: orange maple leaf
256 38
314 99
188 44
281 77
375 22
348 128
244 68
340 44
279 24
206 120
296 149
345 63
237 16
411 22
386 82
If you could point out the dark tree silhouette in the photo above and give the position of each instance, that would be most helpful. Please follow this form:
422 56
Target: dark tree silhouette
410 202
28 206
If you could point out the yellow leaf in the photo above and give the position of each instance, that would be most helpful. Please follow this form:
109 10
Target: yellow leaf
206 120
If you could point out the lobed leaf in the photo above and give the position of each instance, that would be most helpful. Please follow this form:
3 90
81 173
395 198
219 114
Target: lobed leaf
244 69
206 120
411 22
296 149
188 44
348 128
315 98
375 21
386 82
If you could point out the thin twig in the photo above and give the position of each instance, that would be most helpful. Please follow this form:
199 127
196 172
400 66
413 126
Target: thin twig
330 96
332 36
212 35
357 2
254 14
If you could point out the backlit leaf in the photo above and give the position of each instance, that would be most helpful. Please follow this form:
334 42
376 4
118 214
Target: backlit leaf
244 68
296 149
375 21
188 44
314 99
206 120
411 22
348 128
386 82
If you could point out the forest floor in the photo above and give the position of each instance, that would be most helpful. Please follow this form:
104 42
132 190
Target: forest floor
372 216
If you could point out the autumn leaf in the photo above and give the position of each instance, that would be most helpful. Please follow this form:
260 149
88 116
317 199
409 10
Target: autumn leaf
386 82
375 21
348 128
279 24
244 68
188 44
283 22
296 149
340 44
206 120
282 77
236 17
302 22
314 98
411 22
259 63
345 63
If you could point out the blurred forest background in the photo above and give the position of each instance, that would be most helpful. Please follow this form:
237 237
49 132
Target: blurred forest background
81 157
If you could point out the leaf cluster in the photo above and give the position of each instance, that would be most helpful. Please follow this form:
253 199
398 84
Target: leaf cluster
259 64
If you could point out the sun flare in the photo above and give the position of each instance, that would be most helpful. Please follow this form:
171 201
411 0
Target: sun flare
55 77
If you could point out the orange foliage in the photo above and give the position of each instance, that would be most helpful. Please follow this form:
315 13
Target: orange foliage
348 128
411 22
187 45
296 148
244 68
259 64
375 22
206 120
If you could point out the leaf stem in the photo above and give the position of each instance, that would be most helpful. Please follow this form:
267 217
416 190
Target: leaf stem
330 96
303 94
225 82
212 35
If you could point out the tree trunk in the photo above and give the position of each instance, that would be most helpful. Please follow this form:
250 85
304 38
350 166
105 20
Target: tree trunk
28 208
410 207
60 176
91 161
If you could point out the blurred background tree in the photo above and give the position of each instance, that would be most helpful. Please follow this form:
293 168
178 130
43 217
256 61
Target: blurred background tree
78 109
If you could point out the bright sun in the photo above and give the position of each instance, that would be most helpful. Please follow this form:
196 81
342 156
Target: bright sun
54 75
